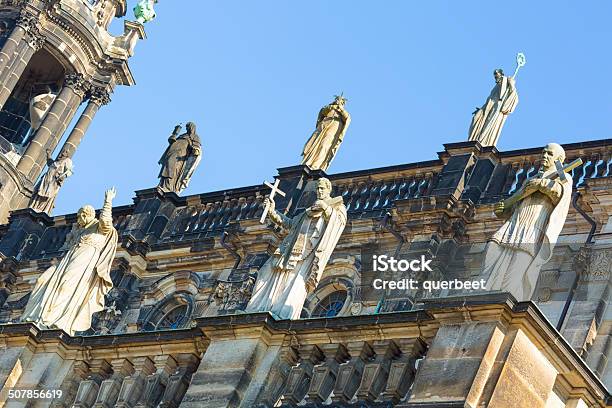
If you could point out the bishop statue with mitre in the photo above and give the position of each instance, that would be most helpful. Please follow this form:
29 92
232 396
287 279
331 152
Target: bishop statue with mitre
295 268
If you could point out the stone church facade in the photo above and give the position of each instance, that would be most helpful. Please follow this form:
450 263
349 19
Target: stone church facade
174 332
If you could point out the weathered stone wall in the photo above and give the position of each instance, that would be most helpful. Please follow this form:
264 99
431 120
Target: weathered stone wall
195 257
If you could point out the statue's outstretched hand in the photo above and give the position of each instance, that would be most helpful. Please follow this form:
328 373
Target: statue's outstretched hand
110 194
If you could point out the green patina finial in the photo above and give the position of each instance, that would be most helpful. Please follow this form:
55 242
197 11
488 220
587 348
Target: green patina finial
144 11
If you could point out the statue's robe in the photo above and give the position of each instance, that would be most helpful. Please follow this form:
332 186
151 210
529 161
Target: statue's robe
67 294
49 185
39 107
517 251
323 144
295 268
488 121
178 162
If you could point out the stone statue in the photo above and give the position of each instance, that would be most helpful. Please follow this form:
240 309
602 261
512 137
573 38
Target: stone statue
144 11
49 185
489 120
536 214
67 294
295 268
39 106
332 123
180 159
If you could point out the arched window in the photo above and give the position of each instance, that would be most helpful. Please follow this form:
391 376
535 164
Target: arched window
331 305
172 313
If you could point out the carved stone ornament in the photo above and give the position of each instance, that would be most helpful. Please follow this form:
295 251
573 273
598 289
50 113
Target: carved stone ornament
35 39
600 264
26 20
99 95
77 82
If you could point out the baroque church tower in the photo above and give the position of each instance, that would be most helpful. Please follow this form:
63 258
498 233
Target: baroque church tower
55 55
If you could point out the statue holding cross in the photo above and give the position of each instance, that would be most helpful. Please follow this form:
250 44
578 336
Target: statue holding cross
535 216
270 199
295 268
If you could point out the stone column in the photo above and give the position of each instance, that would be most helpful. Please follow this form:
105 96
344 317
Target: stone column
24 22
19 48
53 126
98 97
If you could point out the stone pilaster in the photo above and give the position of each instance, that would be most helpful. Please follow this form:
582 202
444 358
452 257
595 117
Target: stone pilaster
376 371
109 388
300 376
233 359
466 354
179 381
349 374
89 388
458 159
133 385
325 374
152 212
155 383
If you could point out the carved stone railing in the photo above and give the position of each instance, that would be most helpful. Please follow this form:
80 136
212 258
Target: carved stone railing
145 369
437 356
53 239
596 158
374 196
366 372
453 352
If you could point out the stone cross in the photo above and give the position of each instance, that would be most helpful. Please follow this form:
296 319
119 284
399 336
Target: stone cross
561 169
274 191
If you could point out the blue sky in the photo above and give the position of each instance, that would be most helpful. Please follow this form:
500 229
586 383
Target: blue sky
253 75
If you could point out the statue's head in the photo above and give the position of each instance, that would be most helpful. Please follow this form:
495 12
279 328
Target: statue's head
550 154
86 215
324 188
340 100
64 154
191 127
498 74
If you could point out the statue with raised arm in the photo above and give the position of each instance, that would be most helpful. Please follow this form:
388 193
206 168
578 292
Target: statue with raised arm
535 216
488 121
332 124
295 268
67 294
180 159
43 199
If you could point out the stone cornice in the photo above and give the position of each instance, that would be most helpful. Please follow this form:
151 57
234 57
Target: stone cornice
418 324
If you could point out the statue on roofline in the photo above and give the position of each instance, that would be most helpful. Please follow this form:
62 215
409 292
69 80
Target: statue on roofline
535 217
332 124
488 121
180 159
295 268
67 294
